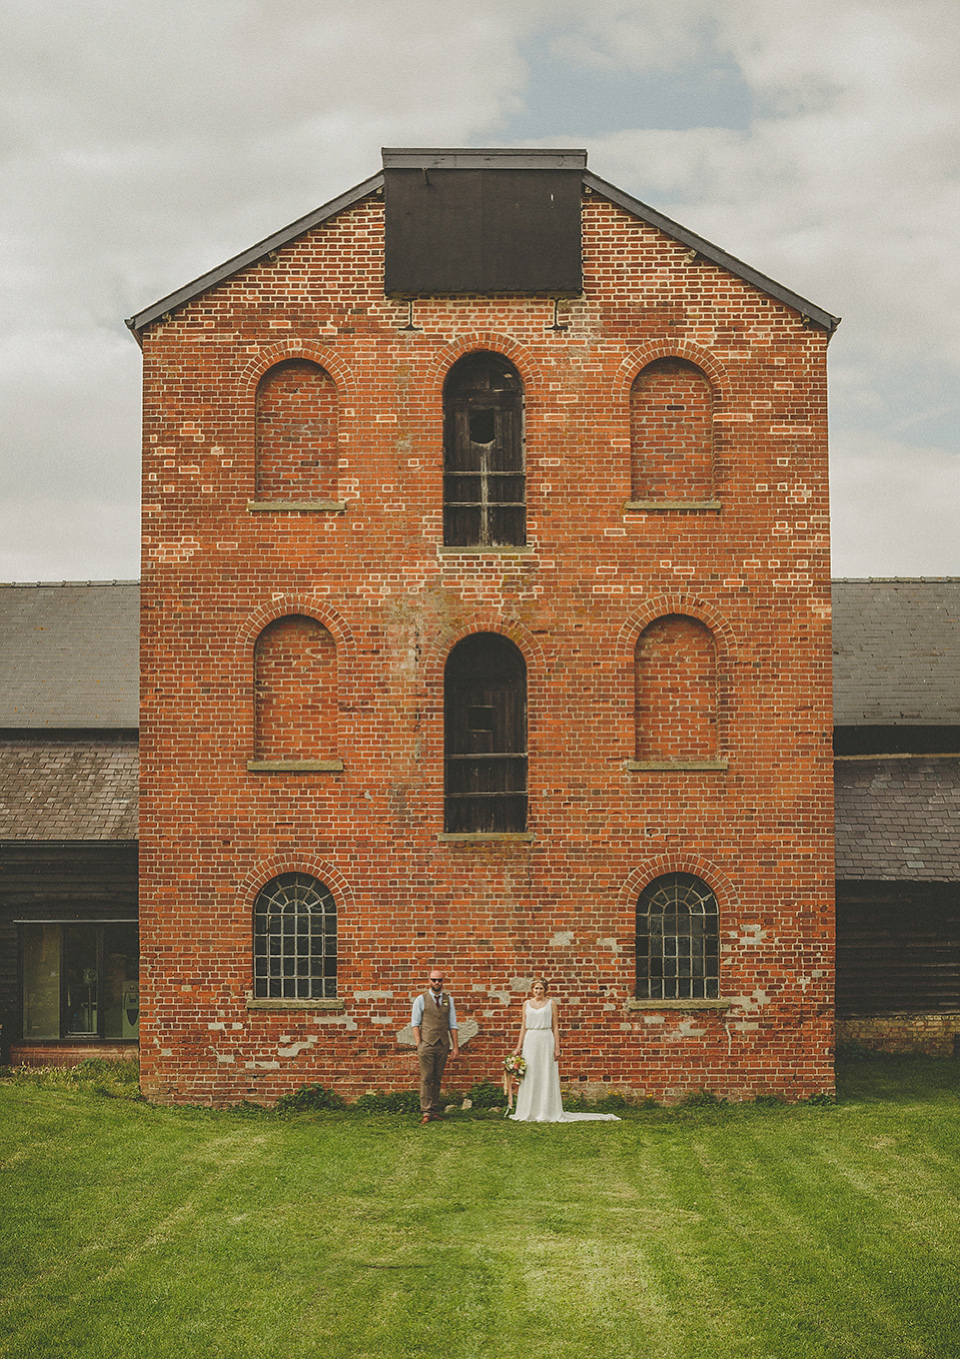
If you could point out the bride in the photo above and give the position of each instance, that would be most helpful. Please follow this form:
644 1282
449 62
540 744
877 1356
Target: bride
538 1099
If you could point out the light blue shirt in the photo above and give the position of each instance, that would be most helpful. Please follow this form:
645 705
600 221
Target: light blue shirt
416 1018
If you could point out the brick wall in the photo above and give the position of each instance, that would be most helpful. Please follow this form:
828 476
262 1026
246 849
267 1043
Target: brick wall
929 1035
69 1055
753 574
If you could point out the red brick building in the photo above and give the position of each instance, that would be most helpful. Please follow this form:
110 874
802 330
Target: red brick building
485 621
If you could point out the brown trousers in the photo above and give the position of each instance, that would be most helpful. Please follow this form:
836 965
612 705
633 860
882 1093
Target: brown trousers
433 1058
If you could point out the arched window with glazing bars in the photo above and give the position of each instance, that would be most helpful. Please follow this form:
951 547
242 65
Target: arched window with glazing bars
295 940
678 940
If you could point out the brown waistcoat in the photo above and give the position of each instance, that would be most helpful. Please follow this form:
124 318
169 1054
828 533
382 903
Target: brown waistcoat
435 1027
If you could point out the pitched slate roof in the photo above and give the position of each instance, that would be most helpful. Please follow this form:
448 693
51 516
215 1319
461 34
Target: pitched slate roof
69 655
70 790
896 652
479 158
898 818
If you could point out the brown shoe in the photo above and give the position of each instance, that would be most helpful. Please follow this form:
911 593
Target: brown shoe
426 1119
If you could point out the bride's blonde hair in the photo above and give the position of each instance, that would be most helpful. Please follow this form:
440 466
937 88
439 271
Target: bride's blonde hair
539 981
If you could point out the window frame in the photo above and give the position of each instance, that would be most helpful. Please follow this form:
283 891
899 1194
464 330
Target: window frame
484 472
650 977
468 771
322 986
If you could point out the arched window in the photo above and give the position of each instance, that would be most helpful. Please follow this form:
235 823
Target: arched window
484 490
296 433
485 744
676 692
295 691
671 432
295 940
678 940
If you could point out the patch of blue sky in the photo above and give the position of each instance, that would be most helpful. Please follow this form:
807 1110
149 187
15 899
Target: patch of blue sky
919 404
579 101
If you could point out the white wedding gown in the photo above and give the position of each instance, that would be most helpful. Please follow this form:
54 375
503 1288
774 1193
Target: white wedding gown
538 1098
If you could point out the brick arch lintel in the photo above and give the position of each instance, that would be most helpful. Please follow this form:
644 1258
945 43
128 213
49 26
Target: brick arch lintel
288 606
530 371
644 874
687 606
295 348
267 869
436 654
645 354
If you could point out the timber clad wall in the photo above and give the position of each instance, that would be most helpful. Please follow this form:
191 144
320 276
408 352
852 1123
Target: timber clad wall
373 604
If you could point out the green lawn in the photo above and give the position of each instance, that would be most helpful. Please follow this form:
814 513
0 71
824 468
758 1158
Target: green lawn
751 1231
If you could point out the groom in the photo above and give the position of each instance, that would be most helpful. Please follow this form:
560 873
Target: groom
434 1023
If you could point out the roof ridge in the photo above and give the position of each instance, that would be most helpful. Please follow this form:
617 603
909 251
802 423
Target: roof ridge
59 584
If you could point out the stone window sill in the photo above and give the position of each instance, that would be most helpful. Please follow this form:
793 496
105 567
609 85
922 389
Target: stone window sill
673 505
679 766
294 766
678 1004
524 550
256 1003
330 506
481 836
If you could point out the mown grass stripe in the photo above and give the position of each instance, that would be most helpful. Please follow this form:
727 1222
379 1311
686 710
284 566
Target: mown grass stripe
760 1233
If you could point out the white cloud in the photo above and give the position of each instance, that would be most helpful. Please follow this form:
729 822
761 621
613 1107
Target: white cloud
894 507
144 144
846 189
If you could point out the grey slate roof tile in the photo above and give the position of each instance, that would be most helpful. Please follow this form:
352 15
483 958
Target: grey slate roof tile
896 652
898 818
69 655
68 790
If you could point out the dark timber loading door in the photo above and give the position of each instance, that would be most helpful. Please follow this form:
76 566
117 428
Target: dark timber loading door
483 230
486 737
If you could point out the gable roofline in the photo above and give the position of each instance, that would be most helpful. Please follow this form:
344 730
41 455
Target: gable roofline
504 158
711 252
138 323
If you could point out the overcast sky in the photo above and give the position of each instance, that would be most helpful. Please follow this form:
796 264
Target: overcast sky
143 143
